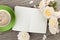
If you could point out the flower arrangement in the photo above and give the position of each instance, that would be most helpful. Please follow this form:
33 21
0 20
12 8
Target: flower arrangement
51 13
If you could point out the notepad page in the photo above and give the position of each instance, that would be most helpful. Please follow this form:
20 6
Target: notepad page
38 22
22 19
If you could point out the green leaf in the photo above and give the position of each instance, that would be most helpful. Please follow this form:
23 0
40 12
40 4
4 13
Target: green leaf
52 4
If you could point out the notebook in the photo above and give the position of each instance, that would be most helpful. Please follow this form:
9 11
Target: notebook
29 20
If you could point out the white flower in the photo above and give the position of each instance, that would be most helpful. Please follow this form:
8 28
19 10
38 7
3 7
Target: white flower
48 12
53 25
57 14
23 36
44 3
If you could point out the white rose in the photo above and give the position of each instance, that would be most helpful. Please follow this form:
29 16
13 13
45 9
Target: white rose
44 3
53 25
23 36
48 11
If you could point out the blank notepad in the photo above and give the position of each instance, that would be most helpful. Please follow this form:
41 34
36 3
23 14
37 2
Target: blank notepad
29 20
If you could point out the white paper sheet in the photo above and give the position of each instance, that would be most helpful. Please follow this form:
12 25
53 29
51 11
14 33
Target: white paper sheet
38 22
